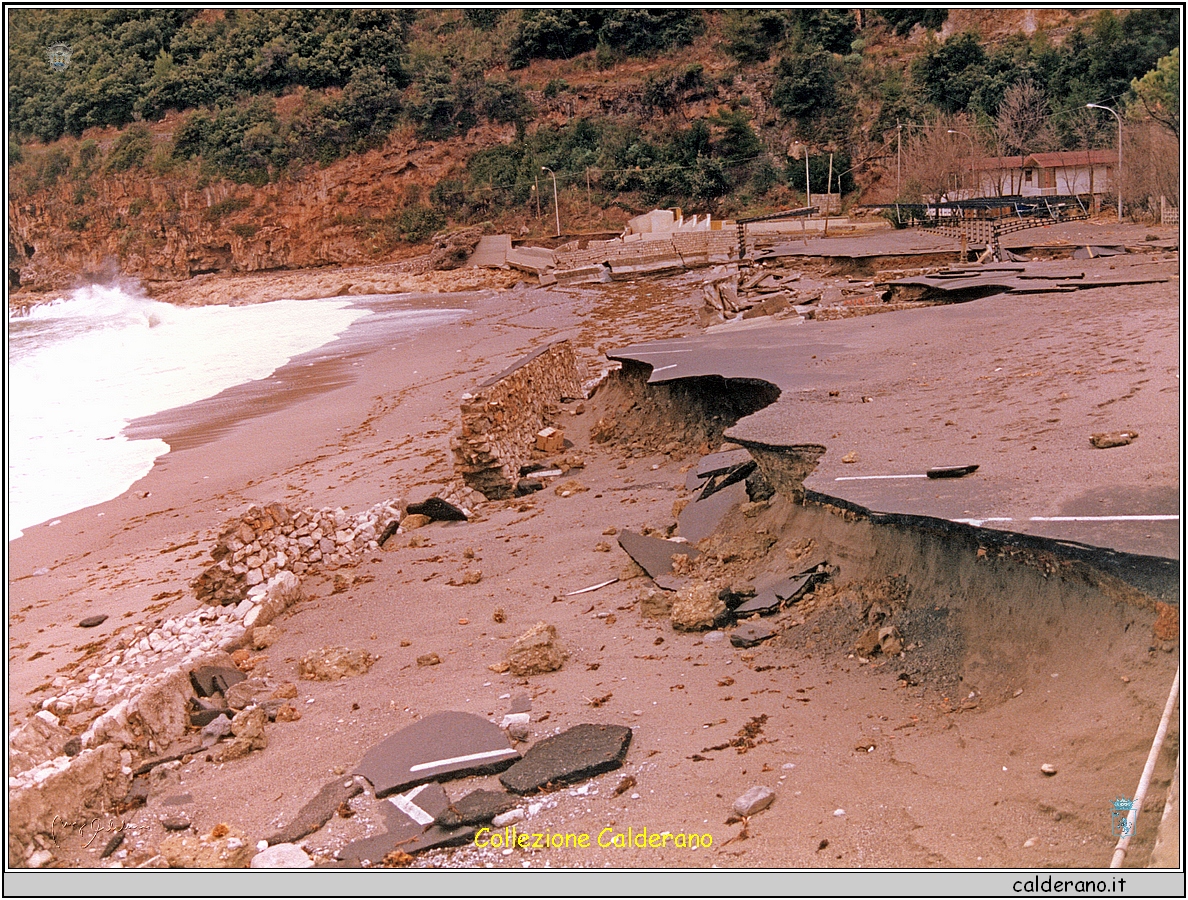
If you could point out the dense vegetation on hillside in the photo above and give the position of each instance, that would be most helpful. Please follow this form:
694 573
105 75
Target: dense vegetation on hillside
267 93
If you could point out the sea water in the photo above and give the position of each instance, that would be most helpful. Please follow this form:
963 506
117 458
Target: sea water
81 368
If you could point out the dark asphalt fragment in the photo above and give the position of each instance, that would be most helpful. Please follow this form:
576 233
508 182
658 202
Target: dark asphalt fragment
574 755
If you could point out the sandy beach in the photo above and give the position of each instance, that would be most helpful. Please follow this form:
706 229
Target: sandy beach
870 769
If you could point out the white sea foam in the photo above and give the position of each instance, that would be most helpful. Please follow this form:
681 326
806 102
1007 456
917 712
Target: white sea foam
81 368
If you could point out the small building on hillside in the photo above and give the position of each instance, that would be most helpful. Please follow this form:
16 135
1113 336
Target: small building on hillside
1047 174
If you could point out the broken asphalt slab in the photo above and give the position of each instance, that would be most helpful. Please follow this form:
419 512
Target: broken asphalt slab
717 463
437 510
476 808
701 518
409 818
654 556
748 634
317 812
574 755
211 680
441 745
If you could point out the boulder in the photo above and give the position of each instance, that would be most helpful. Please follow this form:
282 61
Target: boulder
224 847
536 651
333 663
696 608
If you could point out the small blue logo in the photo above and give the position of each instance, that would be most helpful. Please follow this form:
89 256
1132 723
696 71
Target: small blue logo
1120 822
59 56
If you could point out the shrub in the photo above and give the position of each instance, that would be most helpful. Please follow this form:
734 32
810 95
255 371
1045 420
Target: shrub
129 149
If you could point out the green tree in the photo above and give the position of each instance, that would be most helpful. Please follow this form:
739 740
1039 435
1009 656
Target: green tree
1158 92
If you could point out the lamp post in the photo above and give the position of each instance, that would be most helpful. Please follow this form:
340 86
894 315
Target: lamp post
556 208
972 151
1118 186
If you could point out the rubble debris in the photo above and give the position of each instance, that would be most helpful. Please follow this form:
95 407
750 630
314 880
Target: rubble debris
750 634
536 651
113 843
1105 440
626 783
263 636
1096 252
654 555
272 540
867 642
211 680
511 817
569 488
1048 769
701 518
655 604
951 471
593 587
175 823
890 641
527 486
476 808
441 745
281 856
754 800
333 663
248 730
202 712
549 440
409 818
723 480
318 811
216 729
224 847
697 608
573 755
721 462
437 510
765 603
428 659
414 521
92 621
40 739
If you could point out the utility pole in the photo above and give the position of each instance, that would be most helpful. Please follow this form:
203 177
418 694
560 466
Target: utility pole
1118 185
556 206
898 159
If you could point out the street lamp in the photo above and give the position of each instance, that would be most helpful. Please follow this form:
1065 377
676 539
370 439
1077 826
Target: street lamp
972 152
556 208
1119 178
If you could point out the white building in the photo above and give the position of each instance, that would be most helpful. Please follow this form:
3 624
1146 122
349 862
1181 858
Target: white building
1045 174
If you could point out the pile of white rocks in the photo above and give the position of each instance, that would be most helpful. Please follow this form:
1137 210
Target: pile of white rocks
136 703
265 540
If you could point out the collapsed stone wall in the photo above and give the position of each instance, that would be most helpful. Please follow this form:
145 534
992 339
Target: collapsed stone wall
271 539
680 249
501 418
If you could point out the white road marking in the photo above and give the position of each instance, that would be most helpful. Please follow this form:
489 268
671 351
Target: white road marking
488 754
1104 519
662 368
405 805
874 477
1161 518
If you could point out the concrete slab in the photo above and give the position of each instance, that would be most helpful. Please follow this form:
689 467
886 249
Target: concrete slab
491 252
765 603
211 680
441 745
574 755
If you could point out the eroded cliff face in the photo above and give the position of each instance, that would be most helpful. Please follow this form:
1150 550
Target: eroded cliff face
172 227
